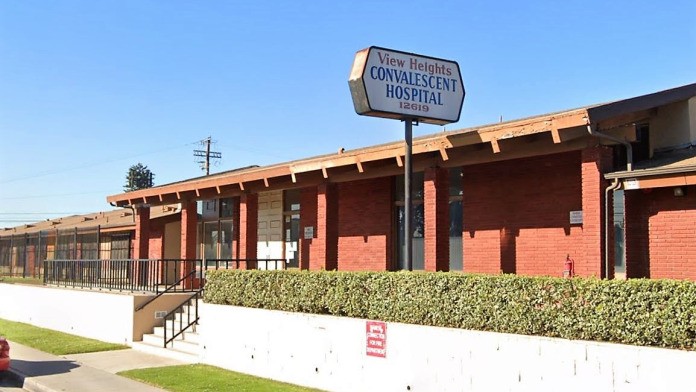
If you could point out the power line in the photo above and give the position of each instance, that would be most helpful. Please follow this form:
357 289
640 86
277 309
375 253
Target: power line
207 154
90 165
43 213
54 195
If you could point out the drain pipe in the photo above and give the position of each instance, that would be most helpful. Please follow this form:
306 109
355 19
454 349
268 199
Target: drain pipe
616 185
629 148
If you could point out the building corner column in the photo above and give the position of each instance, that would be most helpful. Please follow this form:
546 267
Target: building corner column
248 227
436 211
595 161
189 229
141 248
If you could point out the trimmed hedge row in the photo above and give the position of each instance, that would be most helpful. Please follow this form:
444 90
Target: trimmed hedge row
639 312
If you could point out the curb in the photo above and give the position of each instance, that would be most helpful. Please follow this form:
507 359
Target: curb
28 383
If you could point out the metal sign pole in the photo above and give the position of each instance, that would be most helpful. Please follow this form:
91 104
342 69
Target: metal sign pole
408 208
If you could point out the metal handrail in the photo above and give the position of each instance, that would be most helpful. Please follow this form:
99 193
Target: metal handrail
237 263
170 289
179 309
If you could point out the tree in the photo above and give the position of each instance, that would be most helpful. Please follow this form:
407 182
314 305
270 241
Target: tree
138 177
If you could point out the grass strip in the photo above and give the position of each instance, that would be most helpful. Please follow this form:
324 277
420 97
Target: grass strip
50 341
14 279
205 378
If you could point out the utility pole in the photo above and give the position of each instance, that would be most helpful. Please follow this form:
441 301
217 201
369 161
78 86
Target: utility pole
207 154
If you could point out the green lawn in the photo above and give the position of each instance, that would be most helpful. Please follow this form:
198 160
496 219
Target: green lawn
51 341
13 279
204 378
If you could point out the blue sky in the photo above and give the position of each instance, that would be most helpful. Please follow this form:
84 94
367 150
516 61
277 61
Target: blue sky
89 88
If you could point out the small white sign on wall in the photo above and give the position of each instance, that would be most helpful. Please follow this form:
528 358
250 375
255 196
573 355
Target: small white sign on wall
631 183
309 232
576 217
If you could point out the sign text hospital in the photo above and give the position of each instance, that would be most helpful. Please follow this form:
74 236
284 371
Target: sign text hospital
393 84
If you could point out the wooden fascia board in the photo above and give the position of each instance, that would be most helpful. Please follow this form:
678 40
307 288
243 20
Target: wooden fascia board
113 229
494 133
439 143
391 151
662 181
626 119
195 186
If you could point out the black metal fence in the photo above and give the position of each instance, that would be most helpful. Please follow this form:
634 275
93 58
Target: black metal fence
122 275
264 264
149 275
22 255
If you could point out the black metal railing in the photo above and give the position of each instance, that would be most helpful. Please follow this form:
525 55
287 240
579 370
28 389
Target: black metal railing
122 275
149 275
185 320
265 264
178 286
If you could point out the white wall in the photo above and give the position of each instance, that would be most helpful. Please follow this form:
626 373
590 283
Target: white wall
329 353
104 316
671 126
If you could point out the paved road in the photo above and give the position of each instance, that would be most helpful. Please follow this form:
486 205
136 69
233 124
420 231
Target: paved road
9 383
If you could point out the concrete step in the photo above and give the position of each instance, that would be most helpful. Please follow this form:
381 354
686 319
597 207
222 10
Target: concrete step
190 335
188 346
173 353
185 318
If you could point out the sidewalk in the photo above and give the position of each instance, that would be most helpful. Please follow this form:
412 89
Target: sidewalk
43 372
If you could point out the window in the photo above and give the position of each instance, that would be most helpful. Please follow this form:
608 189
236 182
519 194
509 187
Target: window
291 219
418 222
619 233
88 244
120 246
216 230
226 207
225 239
65 245
456 256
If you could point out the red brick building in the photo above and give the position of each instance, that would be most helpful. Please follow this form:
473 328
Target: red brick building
515 197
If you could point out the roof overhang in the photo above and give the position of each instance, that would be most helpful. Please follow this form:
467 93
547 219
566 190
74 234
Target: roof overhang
676 169
539 135
466 146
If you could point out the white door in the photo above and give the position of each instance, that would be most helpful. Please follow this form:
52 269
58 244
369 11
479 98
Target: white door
270 231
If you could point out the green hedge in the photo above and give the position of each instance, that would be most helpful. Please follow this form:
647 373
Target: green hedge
639 312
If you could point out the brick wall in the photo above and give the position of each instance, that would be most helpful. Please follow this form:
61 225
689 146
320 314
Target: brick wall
436 210
248 225
308 217
595 161
365 225
189 227
516 215
659 231
156 241
235 228
142 233
320 211
636 232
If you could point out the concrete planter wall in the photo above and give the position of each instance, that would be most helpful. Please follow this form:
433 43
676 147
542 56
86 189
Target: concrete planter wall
98 315
103 315
330 353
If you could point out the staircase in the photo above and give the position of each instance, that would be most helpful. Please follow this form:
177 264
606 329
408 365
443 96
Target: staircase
185 346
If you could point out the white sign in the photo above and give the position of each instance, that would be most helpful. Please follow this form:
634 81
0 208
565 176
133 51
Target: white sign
309 232
631 183
576 217
400 85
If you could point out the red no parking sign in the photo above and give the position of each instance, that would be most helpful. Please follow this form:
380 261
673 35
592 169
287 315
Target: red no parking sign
376 334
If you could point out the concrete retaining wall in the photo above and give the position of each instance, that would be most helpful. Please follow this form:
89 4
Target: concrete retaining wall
330 353
102 315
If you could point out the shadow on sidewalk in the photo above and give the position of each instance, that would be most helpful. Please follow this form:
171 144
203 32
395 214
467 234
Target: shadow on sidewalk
42 368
